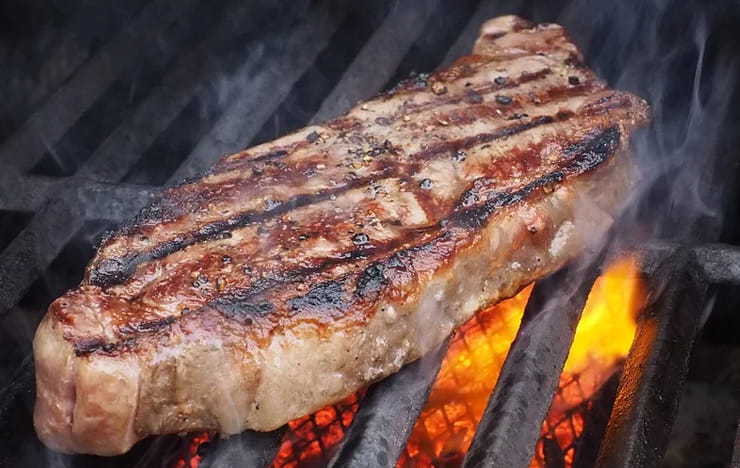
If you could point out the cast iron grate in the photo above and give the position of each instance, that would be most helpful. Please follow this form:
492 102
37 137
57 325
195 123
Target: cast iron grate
161 94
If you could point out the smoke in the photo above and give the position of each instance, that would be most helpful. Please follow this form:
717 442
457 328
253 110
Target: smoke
681 58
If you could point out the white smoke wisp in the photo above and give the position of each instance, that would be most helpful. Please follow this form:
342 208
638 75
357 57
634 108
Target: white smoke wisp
667 53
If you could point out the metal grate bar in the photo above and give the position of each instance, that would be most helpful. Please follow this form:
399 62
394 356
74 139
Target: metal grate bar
112 202
246 449
34 248
38 244
269 82
650 388
387 414
123 148
379 58
512 421
53 119
735 463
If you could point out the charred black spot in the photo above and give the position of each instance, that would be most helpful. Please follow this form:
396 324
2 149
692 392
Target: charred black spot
593 152
501 80
109 347
242 306
371 281
272 155
113 271
574 80
383 121
473 97
87 345
155 325
325 298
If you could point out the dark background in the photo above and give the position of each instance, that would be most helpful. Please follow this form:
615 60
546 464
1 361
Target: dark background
682 56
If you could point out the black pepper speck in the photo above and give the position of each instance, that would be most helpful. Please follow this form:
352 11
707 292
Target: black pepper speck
200 280
313 136
361 239
573 80
503 100
272 204
460 156
501 80
426 184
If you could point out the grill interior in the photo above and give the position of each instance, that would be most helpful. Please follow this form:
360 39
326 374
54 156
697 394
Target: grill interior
107 105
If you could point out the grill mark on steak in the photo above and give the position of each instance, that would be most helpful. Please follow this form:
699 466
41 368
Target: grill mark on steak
481 91
117 270
436 101
332 299
166 209
113 271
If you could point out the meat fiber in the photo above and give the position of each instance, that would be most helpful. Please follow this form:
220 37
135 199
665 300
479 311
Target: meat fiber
299 271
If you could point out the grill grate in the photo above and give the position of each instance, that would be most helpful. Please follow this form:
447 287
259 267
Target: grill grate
163 95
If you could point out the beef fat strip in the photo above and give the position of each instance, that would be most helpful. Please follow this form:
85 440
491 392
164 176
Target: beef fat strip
296 272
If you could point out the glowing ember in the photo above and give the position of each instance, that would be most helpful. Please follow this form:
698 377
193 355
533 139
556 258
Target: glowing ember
197 443
310 439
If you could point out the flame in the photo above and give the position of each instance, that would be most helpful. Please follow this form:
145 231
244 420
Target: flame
607 327
446 425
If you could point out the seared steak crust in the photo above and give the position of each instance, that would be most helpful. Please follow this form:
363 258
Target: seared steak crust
294 272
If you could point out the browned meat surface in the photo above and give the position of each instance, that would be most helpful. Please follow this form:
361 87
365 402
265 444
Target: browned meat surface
298 271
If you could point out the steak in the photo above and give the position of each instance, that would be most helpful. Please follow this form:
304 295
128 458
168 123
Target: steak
298 271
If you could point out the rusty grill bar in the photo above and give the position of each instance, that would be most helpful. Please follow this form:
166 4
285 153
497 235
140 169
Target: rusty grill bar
54 202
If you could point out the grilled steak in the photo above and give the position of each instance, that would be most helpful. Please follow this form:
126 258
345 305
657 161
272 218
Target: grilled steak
298 271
